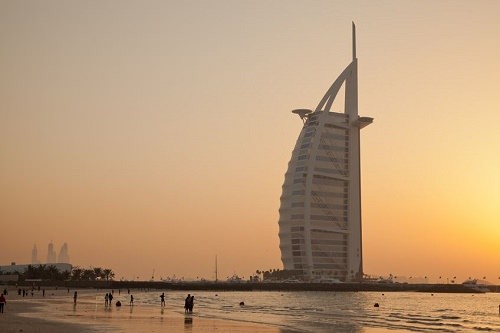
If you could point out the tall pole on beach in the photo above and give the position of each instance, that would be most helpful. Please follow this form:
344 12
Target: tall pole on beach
215 268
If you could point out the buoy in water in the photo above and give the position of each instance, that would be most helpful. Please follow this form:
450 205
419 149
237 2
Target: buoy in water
242 303
376 305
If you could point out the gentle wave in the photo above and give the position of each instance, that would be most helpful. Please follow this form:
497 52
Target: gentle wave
344 311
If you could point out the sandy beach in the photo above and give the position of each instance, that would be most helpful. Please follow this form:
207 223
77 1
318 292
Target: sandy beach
56 312
14 320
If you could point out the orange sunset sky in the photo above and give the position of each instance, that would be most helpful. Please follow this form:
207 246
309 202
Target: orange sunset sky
154 135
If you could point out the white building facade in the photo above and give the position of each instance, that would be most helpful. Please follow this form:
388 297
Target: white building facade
320 212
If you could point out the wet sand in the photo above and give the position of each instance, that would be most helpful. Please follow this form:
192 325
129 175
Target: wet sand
12 321
57 313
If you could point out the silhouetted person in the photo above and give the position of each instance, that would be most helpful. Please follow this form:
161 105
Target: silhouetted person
110 297
162 299
187 301
3 302
106 299
131 300
75 297
191 304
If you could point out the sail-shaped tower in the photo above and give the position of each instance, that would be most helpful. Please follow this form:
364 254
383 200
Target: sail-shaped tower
320 210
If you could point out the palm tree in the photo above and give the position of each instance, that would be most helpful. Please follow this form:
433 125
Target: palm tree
30 272
88 275
52 272
108 274
98 273
65 275
76 273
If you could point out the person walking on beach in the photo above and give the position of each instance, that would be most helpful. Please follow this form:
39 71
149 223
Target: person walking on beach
162 299
191 304
186 303
3 301
110 298
74 297
106 300
131 300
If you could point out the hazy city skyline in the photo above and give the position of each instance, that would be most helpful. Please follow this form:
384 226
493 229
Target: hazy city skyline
153 136
52 255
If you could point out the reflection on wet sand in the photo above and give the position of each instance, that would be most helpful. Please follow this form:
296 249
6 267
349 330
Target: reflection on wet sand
188 324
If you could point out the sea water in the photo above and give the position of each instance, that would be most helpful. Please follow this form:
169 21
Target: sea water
318 311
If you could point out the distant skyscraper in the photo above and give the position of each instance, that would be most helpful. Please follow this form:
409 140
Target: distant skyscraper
63 254
320 212
51 254
34 256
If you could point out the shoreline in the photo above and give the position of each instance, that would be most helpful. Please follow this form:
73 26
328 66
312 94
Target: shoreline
265 286
57 313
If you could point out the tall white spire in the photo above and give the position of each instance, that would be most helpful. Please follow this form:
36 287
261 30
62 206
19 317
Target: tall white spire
349 79
353 41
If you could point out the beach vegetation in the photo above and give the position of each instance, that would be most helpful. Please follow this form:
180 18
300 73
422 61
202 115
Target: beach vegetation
43 272
280 274
52 273
92 274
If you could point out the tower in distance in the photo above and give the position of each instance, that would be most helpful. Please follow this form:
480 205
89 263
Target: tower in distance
320 206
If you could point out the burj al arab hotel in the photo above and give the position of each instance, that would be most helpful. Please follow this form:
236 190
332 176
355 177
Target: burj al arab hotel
320 210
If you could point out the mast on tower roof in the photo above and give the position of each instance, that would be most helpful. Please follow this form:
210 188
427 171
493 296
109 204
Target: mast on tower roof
353 41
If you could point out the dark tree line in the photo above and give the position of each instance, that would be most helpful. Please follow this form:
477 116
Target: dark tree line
51 273
278 274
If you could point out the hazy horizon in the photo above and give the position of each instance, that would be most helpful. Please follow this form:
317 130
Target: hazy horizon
155 135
